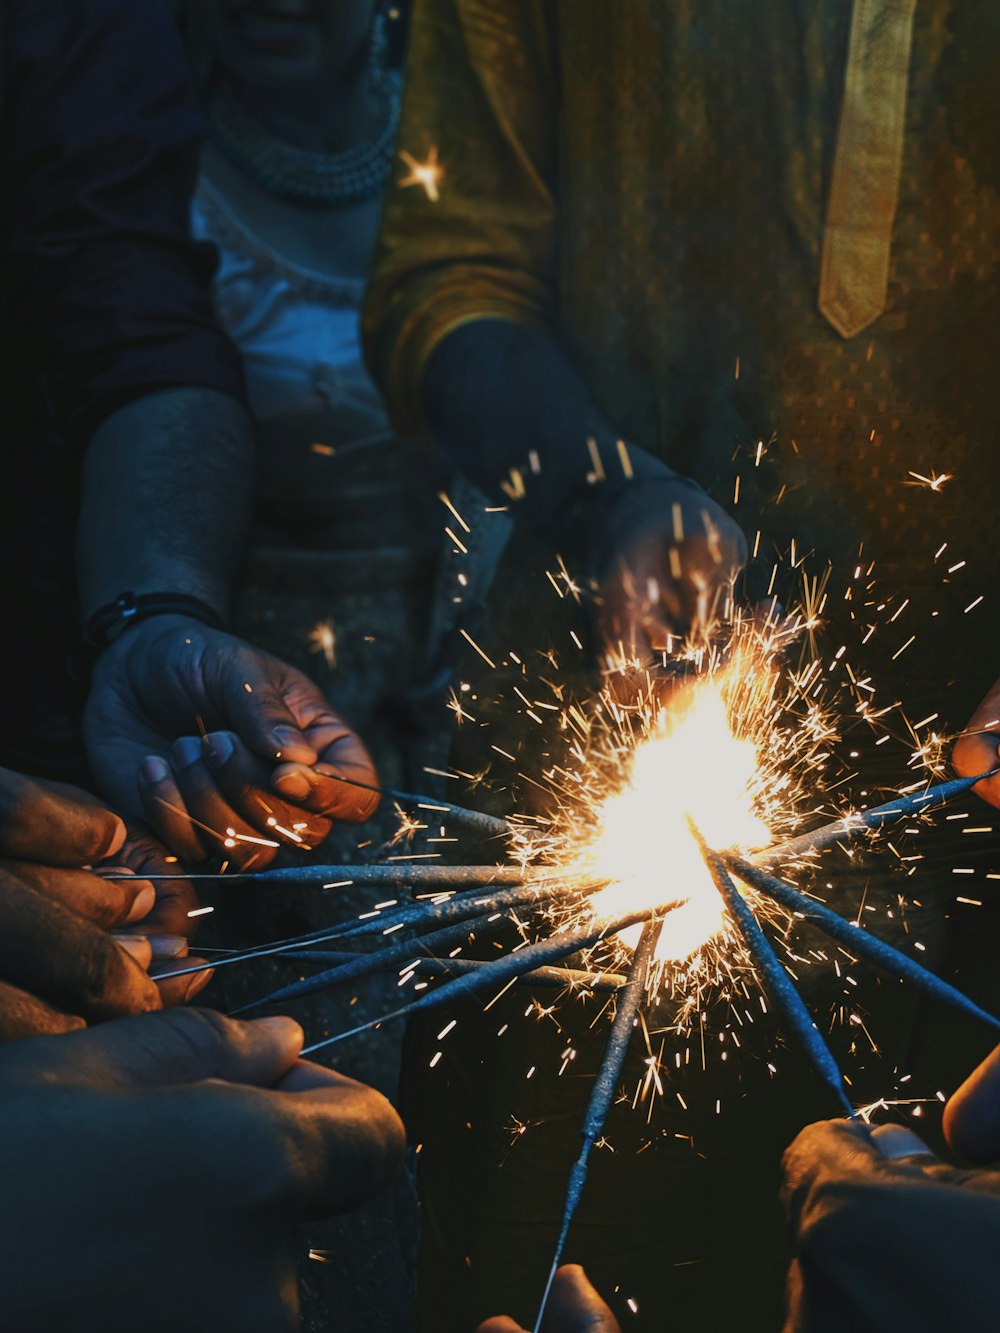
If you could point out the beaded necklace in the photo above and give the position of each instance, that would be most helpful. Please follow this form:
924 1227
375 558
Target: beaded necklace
302 175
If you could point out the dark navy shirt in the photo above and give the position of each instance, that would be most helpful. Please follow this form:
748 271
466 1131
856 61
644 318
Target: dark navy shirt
104 300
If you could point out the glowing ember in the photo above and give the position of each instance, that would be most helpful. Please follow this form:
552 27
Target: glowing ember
427 174
690 765
323 639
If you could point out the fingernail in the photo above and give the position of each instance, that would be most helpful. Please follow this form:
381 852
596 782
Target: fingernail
894 1141
196 984
218 748
281 1027
143 904
117 840
294 785
154 769
137 946
187 751
168 946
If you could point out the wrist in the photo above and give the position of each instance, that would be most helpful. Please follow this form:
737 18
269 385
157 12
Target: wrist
109 623
605 516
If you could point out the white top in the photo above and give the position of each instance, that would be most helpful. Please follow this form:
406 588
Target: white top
329 465
298 330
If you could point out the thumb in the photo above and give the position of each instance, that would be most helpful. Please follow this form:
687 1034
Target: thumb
976 748
575 1306
349 1139
174 1046
972 1114
55 823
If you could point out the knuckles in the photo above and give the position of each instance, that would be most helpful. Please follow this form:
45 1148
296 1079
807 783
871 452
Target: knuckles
20 800
112 982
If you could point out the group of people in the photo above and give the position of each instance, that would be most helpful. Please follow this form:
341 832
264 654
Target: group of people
676 254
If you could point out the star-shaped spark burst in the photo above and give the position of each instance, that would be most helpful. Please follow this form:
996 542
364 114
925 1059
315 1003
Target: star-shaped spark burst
933 481
427 174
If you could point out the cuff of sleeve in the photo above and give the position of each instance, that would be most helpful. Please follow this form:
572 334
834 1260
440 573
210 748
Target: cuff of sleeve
420 334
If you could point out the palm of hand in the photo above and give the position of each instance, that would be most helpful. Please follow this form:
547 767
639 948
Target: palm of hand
170 681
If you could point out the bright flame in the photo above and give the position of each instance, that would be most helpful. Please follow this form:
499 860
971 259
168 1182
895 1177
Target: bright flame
691 765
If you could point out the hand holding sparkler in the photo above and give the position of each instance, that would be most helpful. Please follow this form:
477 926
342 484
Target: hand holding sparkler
168 679
188 1147
977 750
886 1234
574 1306
669 554
68 954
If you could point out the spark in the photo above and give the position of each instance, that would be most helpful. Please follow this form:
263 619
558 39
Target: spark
323 639
933 482
427 174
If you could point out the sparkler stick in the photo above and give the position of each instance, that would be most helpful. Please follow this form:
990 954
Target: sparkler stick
850 825
465 904
365 964
394 876
858 941
473 820
603 1092
559 977
776 979
510 966
412 914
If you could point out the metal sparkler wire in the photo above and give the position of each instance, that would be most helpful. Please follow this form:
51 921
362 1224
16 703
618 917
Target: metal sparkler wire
775 979
510 967
603 1092
366 964
524 890
560 977
850 825
472 820
862 821
855 939
395 875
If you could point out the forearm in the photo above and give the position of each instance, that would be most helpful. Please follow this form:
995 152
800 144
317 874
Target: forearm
510 407
167 491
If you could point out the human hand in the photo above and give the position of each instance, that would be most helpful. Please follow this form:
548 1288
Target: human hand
977 749
267 768
972 1114
671 554
886 1235
68 954
573 1307
159 1166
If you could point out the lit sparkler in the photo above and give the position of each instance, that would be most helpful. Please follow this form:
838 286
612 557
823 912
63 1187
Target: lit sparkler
713 777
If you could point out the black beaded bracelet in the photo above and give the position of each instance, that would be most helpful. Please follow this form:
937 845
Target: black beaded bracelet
109 622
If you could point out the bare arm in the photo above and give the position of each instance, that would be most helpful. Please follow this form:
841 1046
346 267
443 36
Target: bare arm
167 493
